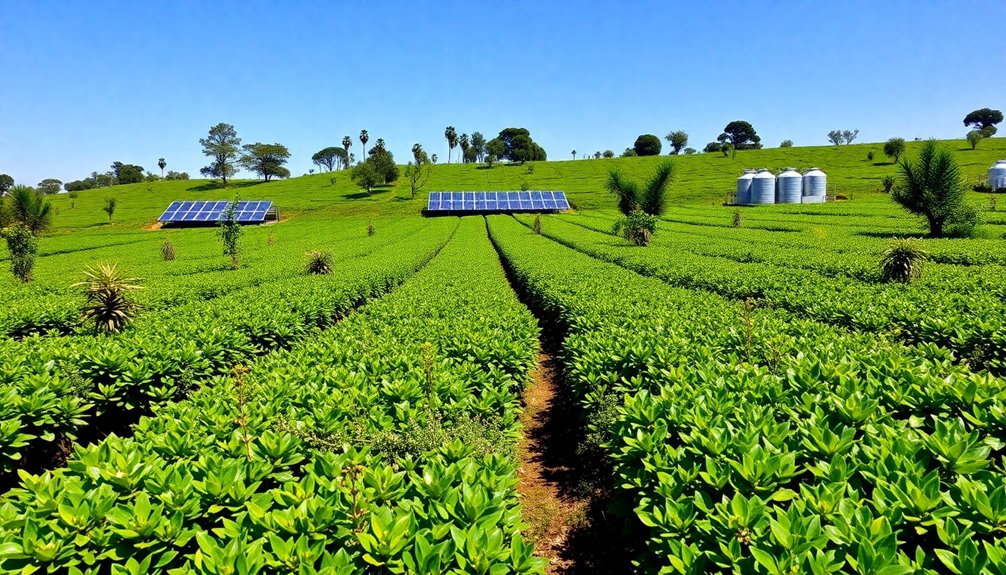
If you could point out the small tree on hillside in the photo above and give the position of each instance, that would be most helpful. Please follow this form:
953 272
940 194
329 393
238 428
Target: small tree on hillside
329 158
835 137
49 186
894 147
22 246
786 144
366 176
161 164
984 120
266 160
494 151
608 154
110 204
230 234
849 135
741 134
647 145
678 140
931 187
975 136
418 174
29 208
222 147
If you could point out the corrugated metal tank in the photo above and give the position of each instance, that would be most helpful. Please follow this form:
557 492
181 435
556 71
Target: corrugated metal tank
744 187
790 186
997 175
763 188
815 183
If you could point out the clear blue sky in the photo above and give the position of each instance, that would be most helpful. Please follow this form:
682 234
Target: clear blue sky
88 83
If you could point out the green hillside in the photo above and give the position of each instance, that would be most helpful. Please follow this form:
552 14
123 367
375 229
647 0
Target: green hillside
699 179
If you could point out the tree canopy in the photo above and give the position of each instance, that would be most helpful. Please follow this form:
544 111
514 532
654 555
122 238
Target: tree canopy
678 140
383 162
331 157
49 186
984 120
221 146
127 173
741 135
366 176
266 160
894 147
647 145
519 147
5 183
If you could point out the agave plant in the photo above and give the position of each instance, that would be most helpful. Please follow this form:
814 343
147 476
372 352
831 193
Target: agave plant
107 289
319 263
902 262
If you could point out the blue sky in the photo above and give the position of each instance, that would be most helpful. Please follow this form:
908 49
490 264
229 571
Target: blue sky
88 83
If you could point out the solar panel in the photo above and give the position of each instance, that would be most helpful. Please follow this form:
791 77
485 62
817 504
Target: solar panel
215 211
483 202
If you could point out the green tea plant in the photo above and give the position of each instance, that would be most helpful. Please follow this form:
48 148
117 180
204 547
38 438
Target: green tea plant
110 306
637 227
902 262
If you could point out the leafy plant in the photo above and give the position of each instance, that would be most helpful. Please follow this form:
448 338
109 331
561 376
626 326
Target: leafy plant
22 246
109 305
110 204
738 218
29 208
902 262
651 198
637 227
371 230
319 263
230 234
869 156
537 224
168 251
888 183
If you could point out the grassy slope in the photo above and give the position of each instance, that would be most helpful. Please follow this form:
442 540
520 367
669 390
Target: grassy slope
699 179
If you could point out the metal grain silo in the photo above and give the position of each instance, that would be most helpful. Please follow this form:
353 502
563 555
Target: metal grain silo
763 187
744 187
815 184
790 186
997 175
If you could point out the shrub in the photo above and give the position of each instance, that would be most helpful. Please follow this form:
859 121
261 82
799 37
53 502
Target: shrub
992 203
370 229
524 186
869 156
608 154
894 147
168 251
963 222
975 136
230 234
689 151
651 199
902 262
647 145
110 204
537 224
108 305
637 227
888 184
786 144
319 263
23 247
738 218
530 169
982 188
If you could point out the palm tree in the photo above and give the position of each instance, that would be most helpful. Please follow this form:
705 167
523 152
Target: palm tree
452 140
30 208
931 187
651 198
161 163
346 143
463 142
574 154
364 136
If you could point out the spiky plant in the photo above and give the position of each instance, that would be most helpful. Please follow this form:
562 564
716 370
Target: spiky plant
537 225
319 263
168 251
627 192
29 207
931 187
109 306
651 198
902 262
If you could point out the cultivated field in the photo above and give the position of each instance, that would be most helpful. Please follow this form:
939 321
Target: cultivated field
744 395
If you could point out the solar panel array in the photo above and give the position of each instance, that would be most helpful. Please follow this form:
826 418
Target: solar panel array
202 211
497 201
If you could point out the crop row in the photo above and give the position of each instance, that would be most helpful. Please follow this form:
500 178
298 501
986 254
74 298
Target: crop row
751 441
969 323
48 304
60 390
383 444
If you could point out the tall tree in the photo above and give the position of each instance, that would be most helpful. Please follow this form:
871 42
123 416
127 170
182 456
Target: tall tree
49 186
984 120
127 173
677 139
931 187
835 137
849 135
574 154
479 144
452 140
520 147
5 183
329 158
419 154
894 147
266 160
741 135
647 145
464 144
161 164
346 143
364 137
222 147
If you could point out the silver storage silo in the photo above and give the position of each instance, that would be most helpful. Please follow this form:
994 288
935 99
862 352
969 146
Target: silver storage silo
815 186
744 187
997 175
790 186
763 187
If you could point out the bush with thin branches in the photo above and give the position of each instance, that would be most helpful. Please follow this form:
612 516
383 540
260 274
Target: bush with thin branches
22 247
902 262
109 306
230 234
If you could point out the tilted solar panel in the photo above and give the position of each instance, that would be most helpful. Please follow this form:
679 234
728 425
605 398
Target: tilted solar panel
215 211
488 202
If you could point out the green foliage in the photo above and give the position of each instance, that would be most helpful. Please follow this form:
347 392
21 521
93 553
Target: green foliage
869 156
651 198
647 145
29 208
894 147
6 182
608 154
418 174
109 209
319 263
230 232
222 147
266 160
126 173
49 186
741 135
902 262
636 227
536 227
689 151
984 120
331 157
519 147
931 187
629 153
888 183
678 140
366 176
109 304
975 136
383 163
495 151
712 147
786 144
22 246
371 230
738 218
451 135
